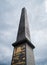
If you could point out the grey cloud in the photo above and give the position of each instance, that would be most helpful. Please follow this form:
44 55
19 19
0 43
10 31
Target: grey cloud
5 6
39 18
42 63
39 1
10 15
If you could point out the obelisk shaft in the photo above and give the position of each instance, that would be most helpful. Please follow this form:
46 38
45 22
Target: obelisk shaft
23 48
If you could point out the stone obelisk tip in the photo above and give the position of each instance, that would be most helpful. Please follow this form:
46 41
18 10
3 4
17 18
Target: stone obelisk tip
23 30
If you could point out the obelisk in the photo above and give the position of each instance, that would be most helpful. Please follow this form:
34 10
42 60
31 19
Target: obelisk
23 48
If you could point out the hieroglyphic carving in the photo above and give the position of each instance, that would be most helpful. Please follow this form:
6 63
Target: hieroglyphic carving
19 55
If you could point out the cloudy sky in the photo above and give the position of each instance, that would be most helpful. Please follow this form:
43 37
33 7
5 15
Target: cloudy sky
10 11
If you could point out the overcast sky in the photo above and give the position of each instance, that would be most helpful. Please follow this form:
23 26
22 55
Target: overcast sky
10 11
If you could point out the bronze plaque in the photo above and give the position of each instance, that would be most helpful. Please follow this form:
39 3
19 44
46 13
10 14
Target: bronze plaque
19 55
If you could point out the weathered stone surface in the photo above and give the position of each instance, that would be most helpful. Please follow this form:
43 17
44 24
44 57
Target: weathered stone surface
19 55
29 56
